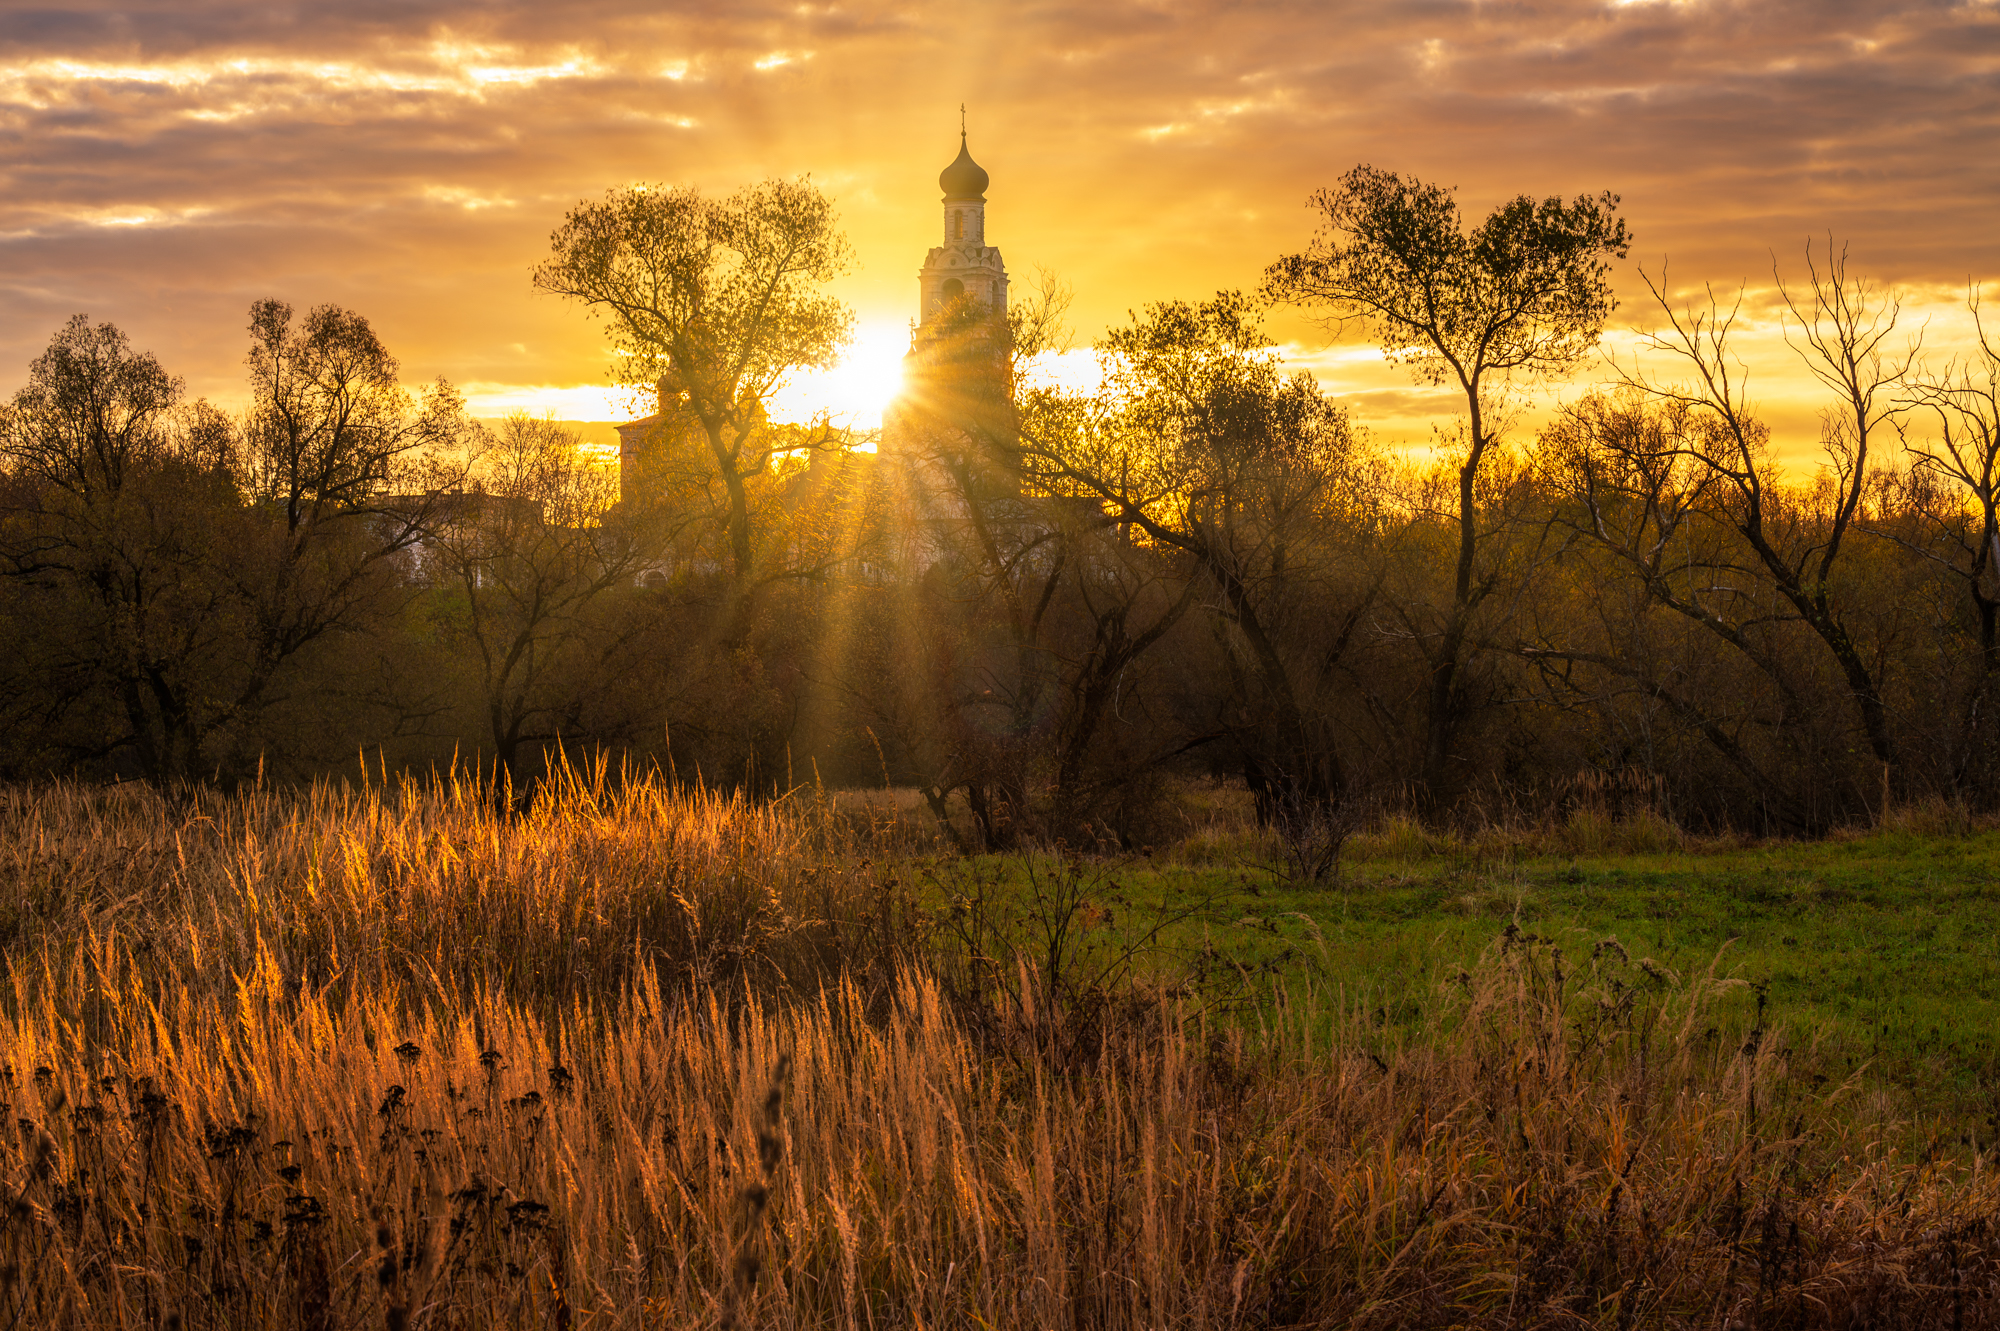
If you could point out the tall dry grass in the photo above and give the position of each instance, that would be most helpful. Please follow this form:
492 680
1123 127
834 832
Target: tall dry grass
426 888
209 1135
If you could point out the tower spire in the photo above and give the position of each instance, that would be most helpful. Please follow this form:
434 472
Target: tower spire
965 265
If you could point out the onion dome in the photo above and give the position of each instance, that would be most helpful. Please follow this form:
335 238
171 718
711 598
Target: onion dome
964 181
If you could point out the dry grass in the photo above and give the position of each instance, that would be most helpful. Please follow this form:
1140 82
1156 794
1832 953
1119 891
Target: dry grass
232 1113
425 889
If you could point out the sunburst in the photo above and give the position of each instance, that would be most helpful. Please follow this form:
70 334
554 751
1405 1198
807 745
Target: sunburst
854 392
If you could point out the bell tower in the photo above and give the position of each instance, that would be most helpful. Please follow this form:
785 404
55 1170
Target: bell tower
965 266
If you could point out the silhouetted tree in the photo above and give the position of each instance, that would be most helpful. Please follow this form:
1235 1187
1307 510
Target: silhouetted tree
182 565
1523 295
717 303
93 409
116 536
1200 445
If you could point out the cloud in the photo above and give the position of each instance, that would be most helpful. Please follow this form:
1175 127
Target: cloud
162 165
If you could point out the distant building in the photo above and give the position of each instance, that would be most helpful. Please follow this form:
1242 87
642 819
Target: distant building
427 520
965 266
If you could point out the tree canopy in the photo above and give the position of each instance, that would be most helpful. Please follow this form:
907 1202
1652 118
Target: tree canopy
715 302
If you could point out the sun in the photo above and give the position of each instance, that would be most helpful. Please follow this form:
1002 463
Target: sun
854 392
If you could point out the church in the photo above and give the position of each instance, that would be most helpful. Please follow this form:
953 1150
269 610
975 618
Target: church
963 266
934 454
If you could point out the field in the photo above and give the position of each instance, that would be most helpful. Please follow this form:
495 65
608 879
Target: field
1882 948
367 1058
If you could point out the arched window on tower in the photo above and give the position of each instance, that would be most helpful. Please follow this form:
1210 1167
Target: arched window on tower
958 226
950 291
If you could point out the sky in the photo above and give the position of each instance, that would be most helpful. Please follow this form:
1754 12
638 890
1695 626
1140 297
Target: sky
165 163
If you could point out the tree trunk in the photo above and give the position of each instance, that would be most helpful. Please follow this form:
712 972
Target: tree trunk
1441 710
1296 769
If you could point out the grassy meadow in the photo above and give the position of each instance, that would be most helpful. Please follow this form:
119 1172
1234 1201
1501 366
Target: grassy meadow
641 1057
1881 947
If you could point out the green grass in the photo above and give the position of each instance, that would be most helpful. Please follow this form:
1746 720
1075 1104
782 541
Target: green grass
1882 951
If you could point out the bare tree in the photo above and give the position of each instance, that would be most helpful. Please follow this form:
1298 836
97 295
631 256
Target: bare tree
347 466
1639 489
1952 490
532 553
1845 320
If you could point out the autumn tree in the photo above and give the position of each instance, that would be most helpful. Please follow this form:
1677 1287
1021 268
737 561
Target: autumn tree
1201 446
93 409
1522 296
331 428
714 304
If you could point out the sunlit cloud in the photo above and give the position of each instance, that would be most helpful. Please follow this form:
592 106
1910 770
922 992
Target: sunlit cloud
122 216
467 199
1208 113
164 169
268 82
